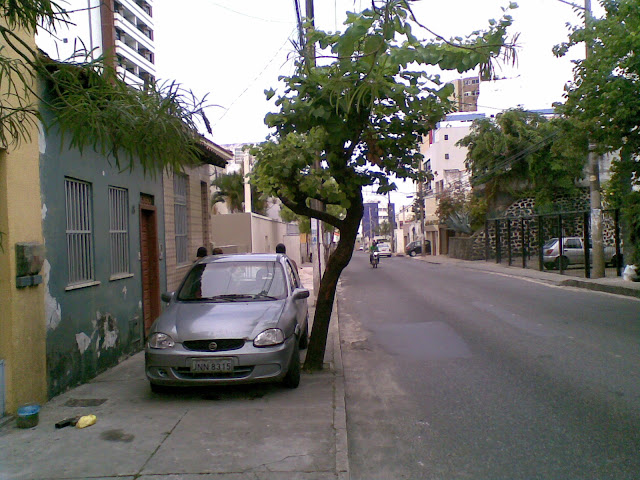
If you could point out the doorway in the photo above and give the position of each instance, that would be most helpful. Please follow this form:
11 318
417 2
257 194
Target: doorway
149 263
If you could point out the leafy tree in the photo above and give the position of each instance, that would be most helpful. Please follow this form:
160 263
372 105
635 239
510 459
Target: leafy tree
231 190
384 229
604 98
358 117
153 127
521 153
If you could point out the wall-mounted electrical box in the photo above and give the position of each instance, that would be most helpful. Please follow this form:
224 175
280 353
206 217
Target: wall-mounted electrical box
29 261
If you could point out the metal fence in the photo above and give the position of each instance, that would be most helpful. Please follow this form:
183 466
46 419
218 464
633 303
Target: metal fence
520 240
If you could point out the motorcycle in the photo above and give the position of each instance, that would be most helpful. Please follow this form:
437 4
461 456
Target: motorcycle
375 259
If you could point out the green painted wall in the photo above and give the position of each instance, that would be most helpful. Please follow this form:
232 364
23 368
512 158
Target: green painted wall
90 329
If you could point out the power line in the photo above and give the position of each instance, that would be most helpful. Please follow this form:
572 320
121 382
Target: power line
255 79
249 16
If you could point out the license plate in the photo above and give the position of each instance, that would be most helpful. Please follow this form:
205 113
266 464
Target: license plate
211 365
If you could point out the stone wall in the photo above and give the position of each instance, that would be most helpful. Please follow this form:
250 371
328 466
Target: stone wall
520 226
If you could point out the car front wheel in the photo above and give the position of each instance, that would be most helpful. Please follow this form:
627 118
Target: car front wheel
292 378
412 253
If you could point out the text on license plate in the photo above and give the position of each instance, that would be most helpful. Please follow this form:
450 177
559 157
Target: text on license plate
211 365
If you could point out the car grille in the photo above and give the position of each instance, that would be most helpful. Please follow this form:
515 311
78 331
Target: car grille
238 372
221 345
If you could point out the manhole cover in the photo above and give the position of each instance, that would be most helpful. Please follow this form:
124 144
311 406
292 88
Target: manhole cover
85 402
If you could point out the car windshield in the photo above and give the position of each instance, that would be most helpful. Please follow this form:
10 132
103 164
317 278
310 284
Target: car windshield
550 243
234 281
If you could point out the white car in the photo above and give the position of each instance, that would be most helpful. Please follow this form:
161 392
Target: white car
384 249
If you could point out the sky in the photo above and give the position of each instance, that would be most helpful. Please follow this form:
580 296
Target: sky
233 50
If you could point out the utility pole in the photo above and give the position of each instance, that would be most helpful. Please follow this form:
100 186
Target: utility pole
421 199
318 252
593 170
391 223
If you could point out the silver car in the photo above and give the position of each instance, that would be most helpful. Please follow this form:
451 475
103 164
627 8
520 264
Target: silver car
234 319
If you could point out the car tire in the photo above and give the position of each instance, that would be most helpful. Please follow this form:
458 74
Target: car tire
562 262
615 262
412 253
292 378
304 338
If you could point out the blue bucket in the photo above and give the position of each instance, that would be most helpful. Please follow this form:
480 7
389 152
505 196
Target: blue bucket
28 415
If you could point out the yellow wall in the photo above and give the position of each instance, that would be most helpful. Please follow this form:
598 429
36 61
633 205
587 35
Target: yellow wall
22 323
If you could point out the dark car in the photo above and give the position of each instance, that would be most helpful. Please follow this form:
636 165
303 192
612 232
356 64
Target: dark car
415 248
234 319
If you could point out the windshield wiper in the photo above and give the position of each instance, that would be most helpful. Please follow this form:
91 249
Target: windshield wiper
232 297
265 296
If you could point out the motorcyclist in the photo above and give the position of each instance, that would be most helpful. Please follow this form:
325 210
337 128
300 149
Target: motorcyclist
373 248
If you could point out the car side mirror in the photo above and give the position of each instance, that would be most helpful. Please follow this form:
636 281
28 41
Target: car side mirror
300 293
167 296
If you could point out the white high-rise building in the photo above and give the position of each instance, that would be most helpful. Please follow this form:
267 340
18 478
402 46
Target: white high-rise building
121 30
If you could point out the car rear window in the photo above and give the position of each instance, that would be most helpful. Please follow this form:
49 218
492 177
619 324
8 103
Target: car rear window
230 281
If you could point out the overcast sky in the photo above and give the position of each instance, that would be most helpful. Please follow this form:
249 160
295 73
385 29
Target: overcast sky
233 50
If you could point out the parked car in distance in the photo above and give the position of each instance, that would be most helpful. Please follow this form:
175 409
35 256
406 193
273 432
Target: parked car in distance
415 248
384 249
234 319
573 253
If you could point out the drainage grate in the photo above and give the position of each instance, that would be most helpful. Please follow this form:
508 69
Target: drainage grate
84 402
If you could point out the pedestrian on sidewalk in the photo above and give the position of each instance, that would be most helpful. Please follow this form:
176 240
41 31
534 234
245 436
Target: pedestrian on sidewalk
281 248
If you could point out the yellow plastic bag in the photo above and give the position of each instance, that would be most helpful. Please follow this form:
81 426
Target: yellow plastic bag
86 421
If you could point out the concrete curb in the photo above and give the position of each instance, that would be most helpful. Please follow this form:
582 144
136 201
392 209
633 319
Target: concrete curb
614 285
339 403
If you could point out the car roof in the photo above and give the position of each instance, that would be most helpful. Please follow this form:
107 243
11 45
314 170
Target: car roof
243 257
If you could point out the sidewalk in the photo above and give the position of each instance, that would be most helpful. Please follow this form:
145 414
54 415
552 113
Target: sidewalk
616 285
261 432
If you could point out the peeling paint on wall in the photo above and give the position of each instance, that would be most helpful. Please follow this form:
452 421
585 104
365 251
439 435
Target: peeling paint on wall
109 332
83 341
52 309
44 212
124 291
42 142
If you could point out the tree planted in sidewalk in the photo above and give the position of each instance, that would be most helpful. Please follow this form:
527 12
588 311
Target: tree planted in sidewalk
356 118
604 99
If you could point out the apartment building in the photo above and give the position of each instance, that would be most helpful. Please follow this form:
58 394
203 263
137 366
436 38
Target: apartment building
466 93
121 30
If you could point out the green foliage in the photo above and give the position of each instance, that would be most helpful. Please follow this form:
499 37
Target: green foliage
384 229
604 98
153 127
363 112
523 153
304 223
230 189
462 211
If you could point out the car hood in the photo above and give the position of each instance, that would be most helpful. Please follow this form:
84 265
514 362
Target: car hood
200 321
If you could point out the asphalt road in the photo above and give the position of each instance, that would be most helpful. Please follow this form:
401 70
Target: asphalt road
454 373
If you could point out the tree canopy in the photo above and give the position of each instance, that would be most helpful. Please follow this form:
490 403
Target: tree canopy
604 99
524 154
356 116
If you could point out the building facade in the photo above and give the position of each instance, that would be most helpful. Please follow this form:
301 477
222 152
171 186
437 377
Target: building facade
188 209
105 265
121 30
466 93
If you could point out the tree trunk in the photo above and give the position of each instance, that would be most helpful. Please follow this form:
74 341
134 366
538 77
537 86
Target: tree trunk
337 262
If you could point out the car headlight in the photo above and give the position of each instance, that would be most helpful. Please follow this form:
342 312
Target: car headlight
160 340
270 337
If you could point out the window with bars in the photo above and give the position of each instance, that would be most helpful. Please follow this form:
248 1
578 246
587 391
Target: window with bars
79 231
119 230
180 210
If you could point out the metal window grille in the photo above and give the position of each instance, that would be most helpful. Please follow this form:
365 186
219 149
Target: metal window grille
180 209
119 229
79 231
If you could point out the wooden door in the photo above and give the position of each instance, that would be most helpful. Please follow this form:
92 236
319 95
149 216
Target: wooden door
150 265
